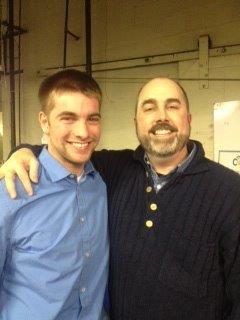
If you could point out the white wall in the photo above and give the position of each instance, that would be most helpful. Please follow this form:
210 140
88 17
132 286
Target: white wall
124 29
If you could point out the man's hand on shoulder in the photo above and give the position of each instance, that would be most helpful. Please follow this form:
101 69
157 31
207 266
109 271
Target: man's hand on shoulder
23 164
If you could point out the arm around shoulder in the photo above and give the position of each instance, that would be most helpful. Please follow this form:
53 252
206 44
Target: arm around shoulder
23 164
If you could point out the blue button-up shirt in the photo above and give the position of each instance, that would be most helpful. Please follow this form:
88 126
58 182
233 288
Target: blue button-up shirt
54 246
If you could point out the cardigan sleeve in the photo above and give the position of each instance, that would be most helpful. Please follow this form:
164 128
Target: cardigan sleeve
110 163
36 149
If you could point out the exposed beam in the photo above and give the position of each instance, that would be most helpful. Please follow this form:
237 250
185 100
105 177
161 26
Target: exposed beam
149 60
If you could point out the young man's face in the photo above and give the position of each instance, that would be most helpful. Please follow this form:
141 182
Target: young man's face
73 129
162 118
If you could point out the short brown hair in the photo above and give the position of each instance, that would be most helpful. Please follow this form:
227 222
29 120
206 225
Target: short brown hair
68 80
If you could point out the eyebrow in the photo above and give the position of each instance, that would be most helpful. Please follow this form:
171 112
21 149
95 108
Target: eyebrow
72 114
150 100
66 113
154 101
170 100
95 114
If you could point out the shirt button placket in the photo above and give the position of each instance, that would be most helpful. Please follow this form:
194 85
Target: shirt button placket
87 254
82 219
83 290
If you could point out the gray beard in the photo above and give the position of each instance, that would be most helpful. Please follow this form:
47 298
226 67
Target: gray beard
163 149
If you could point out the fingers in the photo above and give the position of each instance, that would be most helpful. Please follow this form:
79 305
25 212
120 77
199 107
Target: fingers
10 184
22 174
9 180
24 178
33 170
20 164
1 173
9 176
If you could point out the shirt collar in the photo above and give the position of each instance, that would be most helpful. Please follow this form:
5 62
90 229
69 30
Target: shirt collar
192 149
56 170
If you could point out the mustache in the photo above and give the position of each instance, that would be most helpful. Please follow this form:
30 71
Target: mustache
163 126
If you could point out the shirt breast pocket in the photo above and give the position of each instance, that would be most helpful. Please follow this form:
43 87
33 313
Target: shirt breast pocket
37 241
185 266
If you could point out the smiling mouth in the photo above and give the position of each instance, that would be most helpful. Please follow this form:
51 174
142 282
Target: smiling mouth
80 145
162 129
162 132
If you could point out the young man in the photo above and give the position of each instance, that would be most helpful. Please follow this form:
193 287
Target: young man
174 218
54 245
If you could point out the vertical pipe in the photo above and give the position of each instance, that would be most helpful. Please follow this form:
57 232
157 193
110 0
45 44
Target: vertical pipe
11 73
5 54
88 37
65 35
19 71
1 43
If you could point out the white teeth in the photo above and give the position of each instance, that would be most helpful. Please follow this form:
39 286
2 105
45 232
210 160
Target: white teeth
80 145
163 131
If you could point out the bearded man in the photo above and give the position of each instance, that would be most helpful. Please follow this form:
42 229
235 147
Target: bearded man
174 217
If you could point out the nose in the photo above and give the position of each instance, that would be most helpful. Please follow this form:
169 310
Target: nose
162 114
81 129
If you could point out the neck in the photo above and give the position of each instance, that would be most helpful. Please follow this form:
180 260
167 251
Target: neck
74 168
164 165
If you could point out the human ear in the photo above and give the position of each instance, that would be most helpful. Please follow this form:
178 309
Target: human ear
44 123
189 117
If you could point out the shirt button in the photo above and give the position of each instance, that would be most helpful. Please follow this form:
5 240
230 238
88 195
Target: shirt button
153 206
149 224
158 186
83 289
82 219
148 189
72 176
87 254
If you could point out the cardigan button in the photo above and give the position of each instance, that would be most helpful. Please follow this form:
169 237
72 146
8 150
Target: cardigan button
153 206
148 189
149 224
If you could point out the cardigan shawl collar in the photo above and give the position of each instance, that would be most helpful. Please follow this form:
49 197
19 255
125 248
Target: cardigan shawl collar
197 164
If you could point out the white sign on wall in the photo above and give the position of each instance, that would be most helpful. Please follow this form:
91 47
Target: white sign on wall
227 134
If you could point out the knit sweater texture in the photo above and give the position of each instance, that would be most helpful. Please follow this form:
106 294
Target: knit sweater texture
187 265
